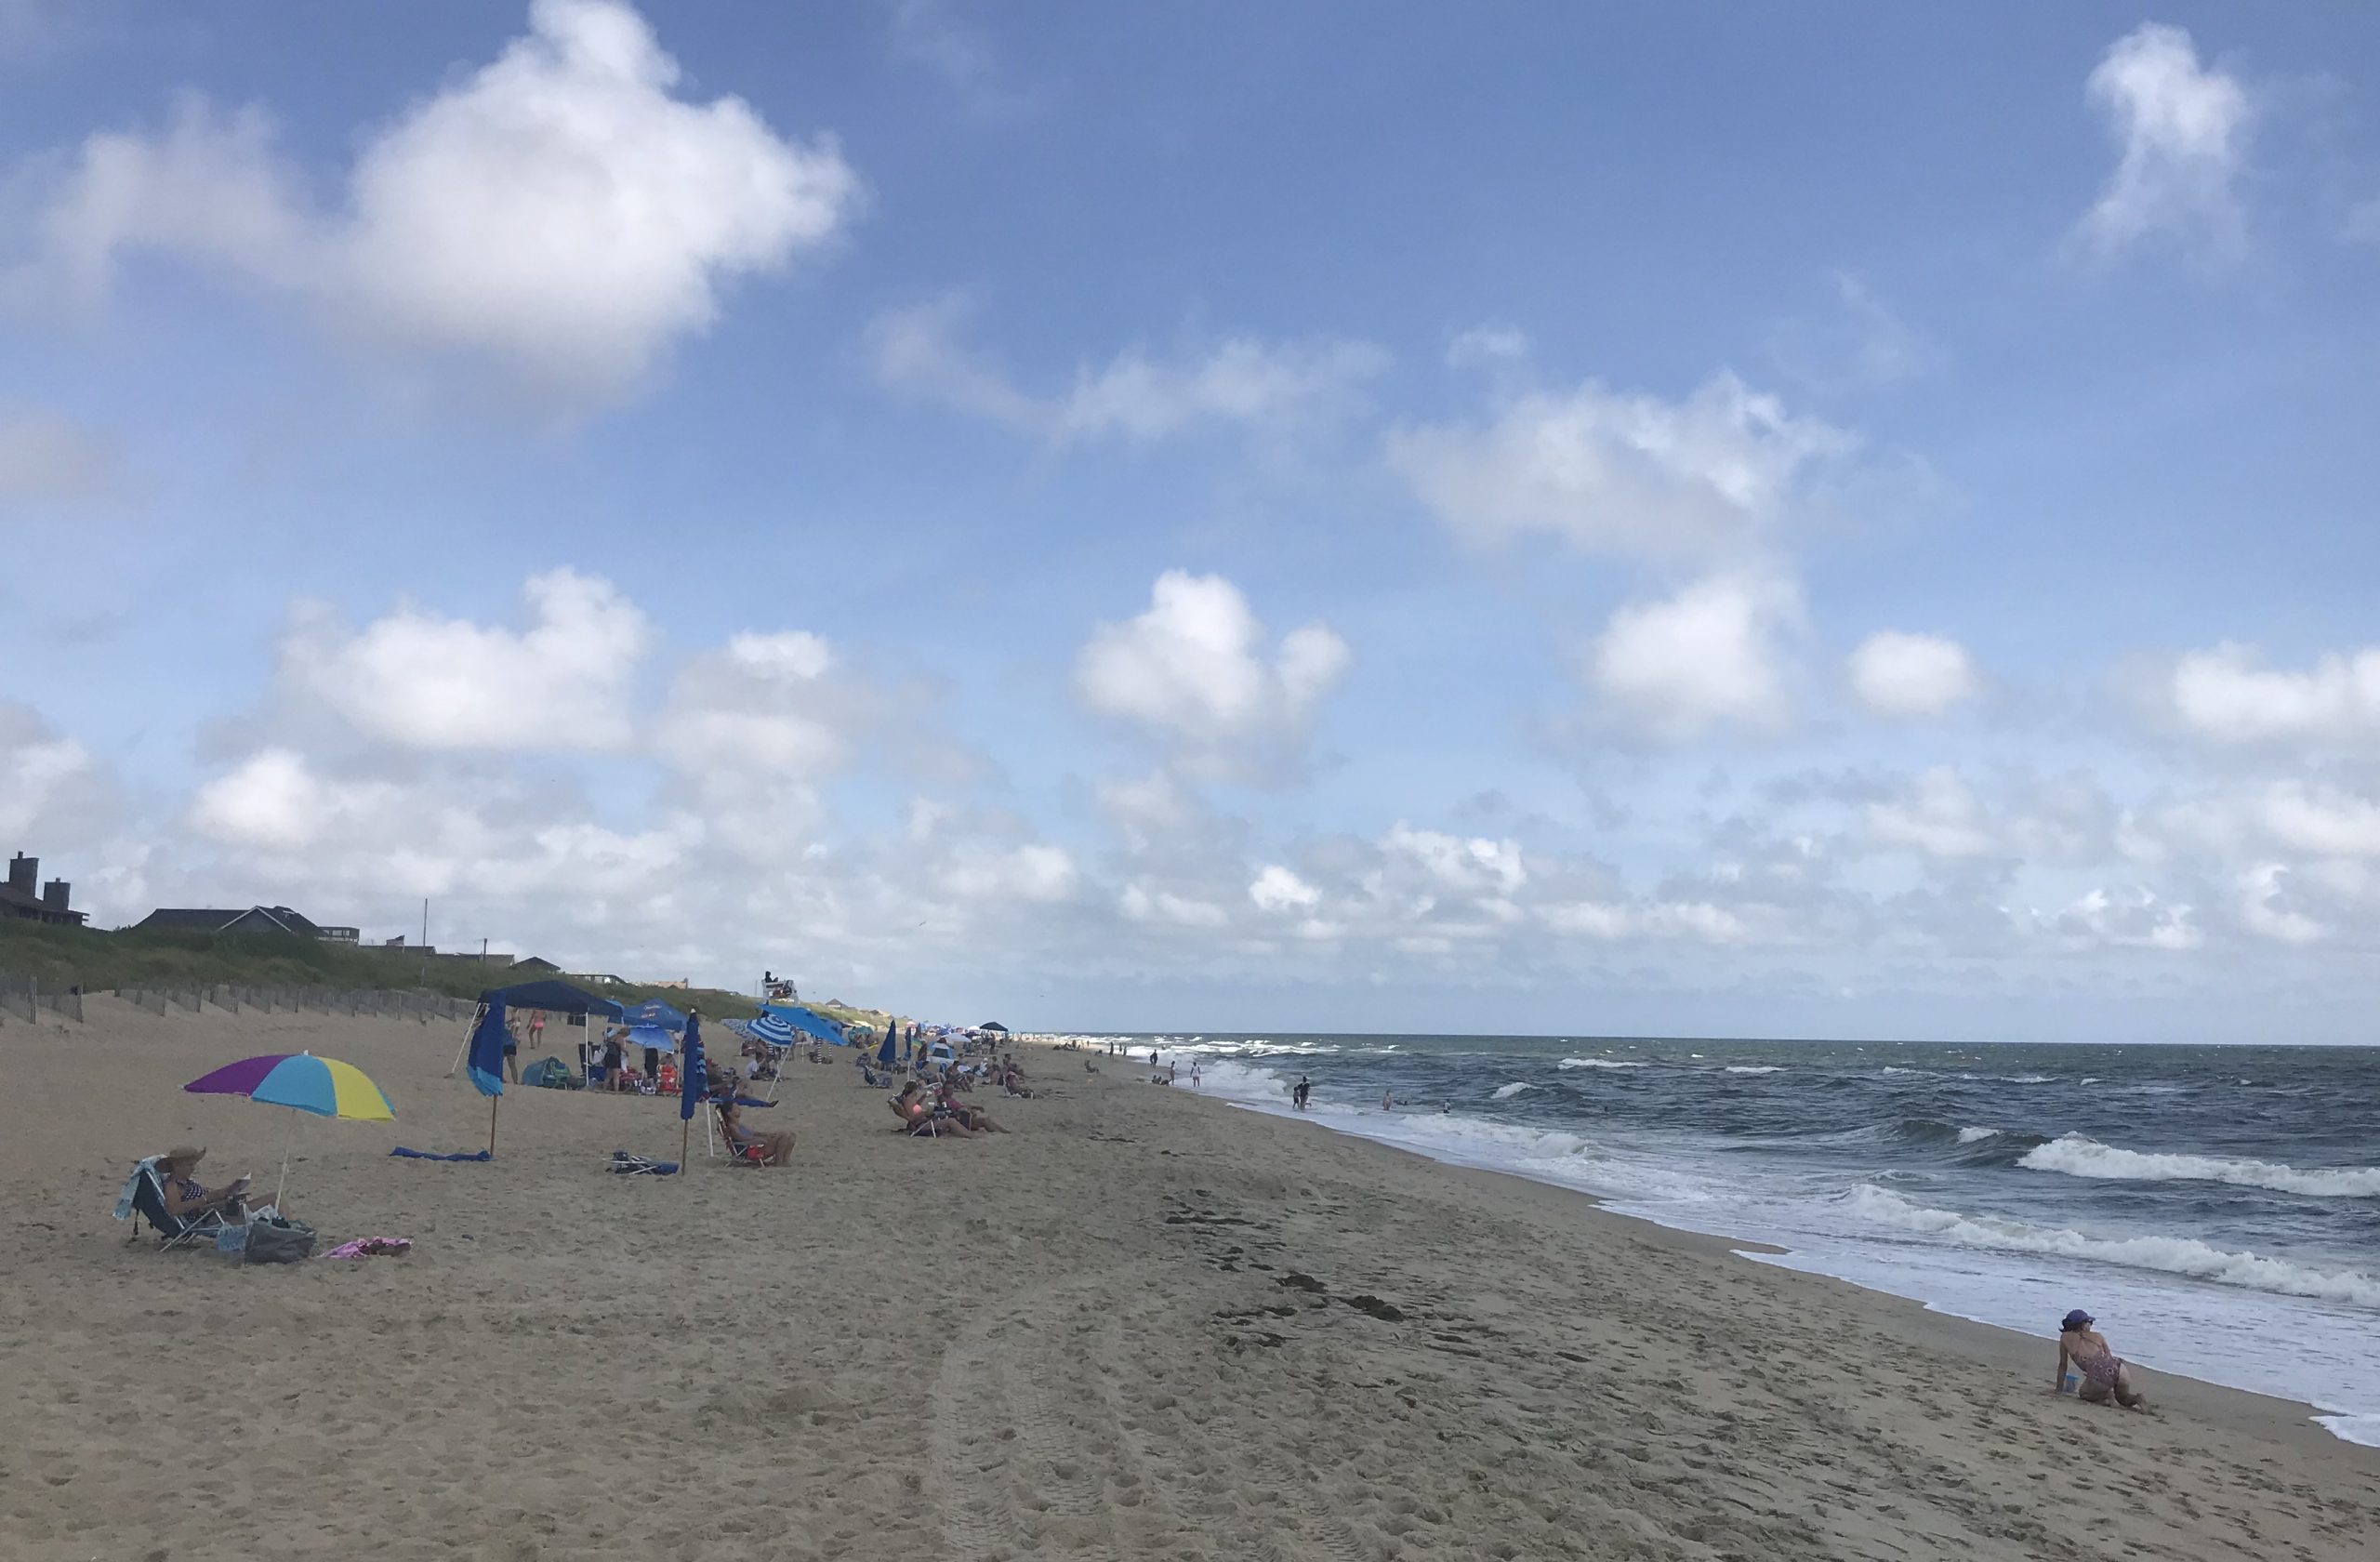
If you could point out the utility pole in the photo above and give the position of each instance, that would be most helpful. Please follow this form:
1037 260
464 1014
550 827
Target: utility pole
424 941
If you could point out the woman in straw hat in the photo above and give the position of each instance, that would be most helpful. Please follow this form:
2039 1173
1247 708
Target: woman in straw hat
186 1198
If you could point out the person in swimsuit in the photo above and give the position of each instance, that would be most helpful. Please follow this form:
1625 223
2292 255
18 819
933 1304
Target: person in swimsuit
187 1198
2106 1375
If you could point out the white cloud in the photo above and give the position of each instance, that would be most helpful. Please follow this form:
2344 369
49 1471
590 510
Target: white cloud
1278 888
1142 904
1488 347
1194 668
762 700
2133 919
426 681
2226 695
2264 908
272 799
1704 659
2318 821
2180 128
45 777
1035 873
47 460
1938 816
1614 474
1476 867
1241 382
560 210
1607 921
1912 676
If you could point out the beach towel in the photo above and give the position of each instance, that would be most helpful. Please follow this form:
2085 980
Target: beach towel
372 1247
148 1168
433 1155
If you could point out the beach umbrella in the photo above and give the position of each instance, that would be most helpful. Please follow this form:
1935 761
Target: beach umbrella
691 1084
652 1036
302 1082
774 1029
884 1054
993 1025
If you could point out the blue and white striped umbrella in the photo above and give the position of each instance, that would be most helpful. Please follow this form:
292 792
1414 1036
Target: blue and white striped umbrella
773 1030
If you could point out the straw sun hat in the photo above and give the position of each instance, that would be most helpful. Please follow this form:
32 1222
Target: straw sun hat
184 1156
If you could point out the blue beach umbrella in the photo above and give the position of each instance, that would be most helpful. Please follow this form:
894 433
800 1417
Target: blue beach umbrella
652 1035
773 1029
692 1087
892 1044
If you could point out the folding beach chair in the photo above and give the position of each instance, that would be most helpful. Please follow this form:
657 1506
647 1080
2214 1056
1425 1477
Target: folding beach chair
143 1199
715 1142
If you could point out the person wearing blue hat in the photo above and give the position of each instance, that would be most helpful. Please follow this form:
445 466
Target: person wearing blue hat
2105 1374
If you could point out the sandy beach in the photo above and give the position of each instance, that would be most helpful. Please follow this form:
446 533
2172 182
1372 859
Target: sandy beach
1144 1324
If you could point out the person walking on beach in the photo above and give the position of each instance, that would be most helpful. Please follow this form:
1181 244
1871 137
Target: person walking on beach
1194 1073
2105 1374
536 1029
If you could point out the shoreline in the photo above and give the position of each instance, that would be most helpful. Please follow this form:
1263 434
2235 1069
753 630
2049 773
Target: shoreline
2340 1421
1986 1344
1136 1325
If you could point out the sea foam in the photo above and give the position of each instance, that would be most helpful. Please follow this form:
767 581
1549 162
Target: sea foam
1596 1063
2078 1157
1505 1092
2173 1255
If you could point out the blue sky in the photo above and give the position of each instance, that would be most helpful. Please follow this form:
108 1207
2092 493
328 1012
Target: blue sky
1685 521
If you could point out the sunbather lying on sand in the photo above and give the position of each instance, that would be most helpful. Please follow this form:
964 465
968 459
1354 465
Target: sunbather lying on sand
976 1119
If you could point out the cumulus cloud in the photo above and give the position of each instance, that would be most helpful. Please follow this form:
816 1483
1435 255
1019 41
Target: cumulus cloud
1144 902
1939 815
2266 910
1908 676
560 211
1278 888
1607 921
765 699
2180 128
2135 918
1194 670
50 462
1241 382
1705 659
2322 821
50 785
1617 473
418 678
2228 695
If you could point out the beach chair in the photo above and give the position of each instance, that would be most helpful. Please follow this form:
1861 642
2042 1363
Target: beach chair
715 1141
143 1199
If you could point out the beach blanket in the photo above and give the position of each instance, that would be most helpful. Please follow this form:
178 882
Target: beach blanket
433 1155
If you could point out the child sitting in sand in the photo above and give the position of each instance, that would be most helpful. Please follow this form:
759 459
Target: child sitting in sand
2105 1374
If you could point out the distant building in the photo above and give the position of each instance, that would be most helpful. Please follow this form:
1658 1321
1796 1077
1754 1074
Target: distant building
536 965
341 935
17 899
256 918
599 979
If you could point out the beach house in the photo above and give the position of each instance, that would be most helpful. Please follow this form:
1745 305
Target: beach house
17 899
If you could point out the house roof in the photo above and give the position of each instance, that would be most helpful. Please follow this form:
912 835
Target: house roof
10 895
206 919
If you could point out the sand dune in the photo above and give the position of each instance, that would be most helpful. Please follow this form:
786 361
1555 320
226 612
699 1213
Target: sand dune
1143 1325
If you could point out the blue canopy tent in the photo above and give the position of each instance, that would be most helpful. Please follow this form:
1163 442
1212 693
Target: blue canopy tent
656 1012
554 998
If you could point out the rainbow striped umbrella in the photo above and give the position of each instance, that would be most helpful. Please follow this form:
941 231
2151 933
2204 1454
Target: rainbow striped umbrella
303 1083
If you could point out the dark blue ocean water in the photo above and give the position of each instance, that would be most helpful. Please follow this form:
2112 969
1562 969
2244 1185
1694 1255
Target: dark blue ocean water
2200 1200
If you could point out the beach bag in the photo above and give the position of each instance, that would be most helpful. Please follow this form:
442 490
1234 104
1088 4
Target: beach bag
279 1241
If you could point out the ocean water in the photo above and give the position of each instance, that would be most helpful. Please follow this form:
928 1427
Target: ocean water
2217 1209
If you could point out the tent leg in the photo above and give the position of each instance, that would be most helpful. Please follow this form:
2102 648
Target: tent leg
467 1041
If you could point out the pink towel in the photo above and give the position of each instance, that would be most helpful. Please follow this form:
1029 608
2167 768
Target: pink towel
372 1247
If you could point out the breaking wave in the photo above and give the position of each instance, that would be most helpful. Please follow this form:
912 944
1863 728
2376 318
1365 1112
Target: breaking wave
2078 1157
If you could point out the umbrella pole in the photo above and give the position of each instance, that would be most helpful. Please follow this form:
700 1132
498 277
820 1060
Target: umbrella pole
491 1123
686 1132
278 1187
